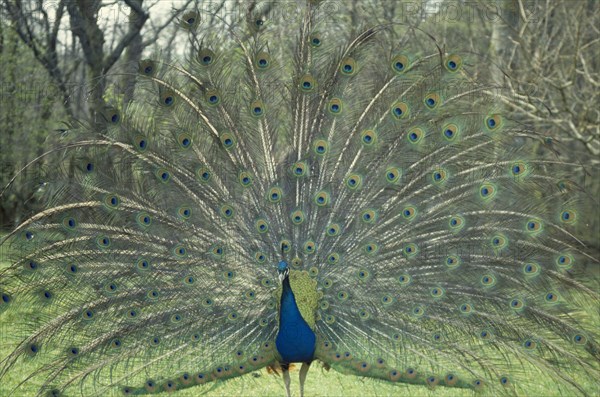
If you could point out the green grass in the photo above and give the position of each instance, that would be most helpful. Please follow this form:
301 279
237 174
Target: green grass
259 383
320 382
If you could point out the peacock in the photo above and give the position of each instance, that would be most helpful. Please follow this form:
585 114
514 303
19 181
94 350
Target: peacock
351 200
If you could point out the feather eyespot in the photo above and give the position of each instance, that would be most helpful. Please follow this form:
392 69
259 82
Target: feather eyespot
262 60
399 110
190 20
453 63
432 100
415 135
400 63
348 66
257 109
368 137
354 181
333 230
335 106
322 198
564 261
493 122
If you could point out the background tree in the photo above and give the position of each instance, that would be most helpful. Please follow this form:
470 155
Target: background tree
58 64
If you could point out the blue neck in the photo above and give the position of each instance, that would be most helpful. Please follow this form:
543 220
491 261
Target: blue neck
295 340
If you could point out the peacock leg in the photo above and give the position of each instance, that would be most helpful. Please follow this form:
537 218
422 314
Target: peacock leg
285 368
303 372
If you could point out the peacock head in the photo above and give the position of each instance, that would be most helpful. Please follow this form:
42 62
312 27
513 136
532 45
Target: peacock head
283 269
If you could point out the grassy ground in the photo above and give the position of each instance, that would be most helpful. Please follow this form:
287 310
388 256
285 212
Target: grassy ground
319 383
261 383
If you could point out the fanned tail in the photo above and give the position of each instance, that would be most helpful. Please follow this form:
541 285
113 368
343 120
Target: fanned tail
430 241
